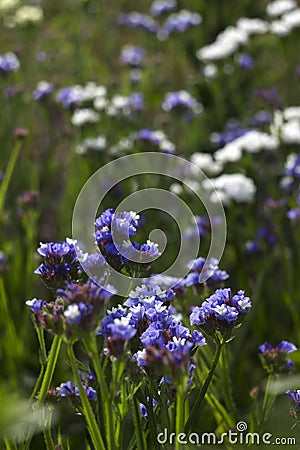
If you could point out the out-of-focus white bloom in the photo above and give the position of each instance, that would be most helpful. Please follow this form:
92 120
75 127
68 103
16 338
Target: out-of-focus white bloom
176 188
252 26
279 7
280 28
167 146
100 103
286 125
92 91
83 116
28 15
293 112
205 162
210 71
229 153
231 38
230 187
290 132
6 5
292 18
97 143
251 142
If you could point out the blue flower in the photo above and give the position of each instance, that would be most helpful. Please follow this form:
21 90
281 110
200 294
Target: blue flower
245 61
159 7
295 401
35 305
221 311
275 359
42 90
9 62
138 20
132 55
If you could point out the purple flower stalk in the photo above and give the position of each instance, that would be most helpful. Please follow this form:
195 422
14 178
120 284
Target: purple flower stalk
221 312
275 359
9 63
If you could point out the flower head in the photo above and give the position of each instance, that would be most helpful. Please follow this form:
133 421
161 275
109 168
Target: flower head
275 359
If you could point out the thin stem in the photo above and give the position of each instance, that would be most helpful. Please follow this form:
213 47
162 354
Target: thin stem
268 402
180 398
228 396
140 443
87 409
196 407
91 346
51 363
9 171
48 439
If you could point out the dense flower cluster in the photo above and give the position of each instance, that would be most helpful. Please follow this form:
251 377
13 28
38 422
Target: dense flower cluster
181 99
275 359
153 327
222 311
76 310
9 62
42 90
113 232
205 272
132 55
295 403
60 263
70 390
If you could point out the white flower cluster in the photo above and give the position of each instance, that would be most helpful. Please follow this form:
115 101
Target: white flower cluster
228 41
84 116
286 125
251 142
228 187
24 15
96 143
279 7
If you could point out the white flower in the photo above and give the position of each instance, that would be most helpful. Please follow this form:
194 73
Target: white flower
92 91
210 71
6 5
72 312
229 187
85 115
279 7
252 26
28 14
280 28
176 188
205 162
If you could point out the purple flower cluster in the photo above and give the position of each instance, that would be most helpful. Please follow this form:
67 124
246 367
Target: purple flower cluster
295 403
205 272
69 96
158 138
245 61
265 238
42 91
59 264
176 22
159 7
113 232
222 311
179 22
179 99
233 130
132 55
76 310
275 359
9 62
160 341
136 19
68 389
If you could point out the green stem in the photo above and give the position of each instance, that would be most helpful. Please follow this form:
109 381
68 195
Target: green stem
87 409
196 407
48 439
140 443
180 398
91 345
228 396
51 363
8 172
268 402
